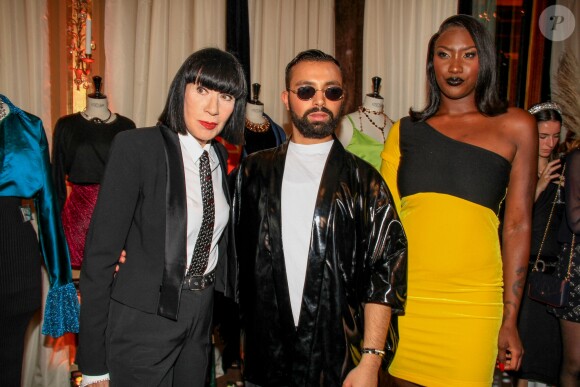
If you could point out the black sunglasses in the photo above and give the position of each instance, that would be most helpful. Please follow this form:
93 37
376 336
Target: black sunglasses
331 93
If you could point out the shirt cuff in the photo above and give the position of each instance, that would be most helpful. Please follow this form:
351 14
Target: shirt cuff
90 379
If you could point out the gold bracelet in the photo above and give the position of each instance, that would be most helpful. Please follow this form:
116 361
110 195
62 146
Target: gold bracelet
374 351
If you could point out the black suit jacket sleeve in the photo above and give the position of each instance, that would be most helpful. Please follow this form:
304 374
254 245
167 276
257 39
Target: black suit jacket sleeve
110 225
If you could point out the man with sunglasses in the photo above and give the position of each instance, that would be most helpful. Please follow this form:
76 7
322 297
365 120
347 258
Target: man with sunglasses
322 254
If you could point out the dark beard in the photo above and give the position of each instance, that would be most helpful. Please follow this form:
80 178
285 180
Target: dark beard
317 129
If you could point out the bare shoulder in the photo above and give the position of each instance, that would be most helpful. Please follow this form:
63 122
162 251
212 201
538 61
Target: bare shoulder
518 121
517 125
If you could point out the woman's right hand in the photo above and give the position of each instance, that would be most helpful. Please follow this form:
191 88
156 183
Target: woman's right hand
548 175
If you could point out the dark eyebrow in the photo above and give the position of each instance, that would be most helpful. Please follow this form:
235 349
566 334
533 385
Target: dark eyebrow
461 49
311 83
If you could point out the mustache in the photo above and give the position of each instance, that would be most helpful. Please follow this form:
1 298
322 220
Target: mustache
319 109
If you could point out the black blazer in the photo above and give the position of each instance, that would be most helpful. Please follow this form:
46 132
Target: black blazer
141 208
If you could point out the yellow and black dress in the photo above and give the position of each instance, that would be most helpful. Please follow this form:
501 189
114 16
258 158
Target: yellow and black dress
448 195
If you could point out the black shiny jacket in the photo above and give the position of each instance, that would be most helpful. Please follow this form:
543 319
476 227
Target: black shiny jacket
358 254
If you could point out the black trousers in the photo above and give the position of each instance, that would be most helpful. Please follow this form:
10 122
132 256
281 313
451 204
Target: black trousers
13 329
20 286
149 350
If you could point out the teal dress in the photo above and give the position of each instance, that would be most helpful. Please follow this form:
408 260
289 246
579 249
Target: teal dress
25 173
365 147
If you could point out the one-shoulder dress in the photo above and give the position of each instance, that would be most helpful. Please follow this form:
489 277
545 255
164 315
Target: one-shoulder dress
448 194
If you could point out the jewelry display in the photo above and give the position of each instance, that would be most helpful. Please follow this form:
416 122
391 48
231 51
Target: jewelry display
362 110
97 120
258 128
2 110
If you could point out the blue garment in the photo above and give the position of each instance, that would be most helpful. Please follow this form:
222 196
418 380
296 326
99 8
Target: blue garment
25 172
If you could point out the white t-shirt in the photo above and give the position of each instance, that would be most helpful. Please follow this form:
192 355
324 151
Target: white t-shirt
302 173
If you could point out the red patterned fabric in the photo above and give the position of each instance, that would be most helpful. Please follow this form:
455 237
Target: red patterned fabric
76 217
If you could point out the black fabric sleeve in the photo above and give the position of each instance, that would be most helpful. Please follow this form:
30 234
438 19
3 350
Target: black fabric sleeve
58 164
110 223
572 188
386 251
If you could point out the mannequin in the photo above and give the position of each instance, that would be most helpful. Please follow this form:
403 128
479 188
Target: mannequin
97 105
255 108
81 147
372 125
261 132
25 178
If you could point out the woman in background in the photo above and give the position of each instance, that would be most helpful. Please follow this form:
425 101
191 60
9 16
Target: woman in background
539 330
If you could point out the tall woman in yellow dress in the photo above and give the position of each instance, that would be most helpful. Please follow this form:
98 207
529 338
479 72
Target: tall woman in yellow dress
450 167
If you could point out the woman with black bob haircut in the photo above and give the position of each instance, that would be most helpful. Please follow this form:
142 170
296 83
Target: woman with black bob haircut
450 168
216 70
487 96
164 199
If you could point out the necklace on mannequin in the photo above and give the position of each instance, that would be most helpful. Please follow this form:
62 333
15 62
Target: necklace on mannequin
365 111
97 120
257 128
2 110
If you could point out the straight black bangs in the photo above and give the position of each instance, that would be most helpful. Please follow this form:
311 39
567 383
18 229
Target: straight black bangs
219 76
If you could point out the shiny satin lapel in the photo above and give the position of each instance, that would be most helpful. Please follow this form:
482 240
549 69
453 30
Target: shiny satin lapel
275 234
175 227
227 269
222 155
318 242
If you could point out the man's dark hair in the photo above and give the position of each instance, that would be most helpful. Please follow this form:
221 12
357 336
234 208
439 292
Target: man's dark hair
216 70
309 56
487 97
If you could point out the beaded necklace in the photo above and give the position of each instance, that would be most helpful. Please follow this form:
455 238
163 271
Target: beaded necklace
97 120
257 128
365 111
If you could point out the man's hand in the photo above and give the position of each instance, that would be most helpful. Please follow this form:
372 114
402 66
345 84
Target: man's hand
366 374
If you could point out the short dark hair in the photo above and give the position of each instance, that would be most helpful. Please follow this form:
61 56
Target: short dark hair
217 70
487 97
311 55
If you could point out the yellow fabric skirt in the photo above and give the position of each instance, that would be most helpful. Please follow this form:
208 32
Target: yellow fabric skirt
448 335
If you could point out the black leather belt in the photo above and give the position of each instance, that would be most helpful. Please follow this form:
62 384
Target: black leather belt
198 282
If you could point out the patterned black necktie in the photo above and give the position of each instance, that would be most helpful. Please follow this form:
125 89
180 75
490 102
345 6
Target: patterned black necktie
203 243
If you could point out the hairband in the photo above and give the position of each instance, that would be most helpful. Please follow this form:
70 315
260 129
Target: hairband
545 106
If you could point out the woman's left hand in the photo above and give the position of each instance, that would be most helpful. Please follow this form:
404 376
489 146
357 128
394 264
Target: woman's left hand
550 174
